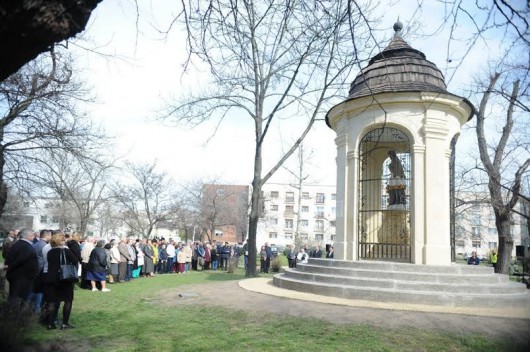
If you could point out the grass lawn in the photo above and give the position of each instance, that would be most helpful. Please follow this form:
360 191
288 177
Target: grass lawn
132 318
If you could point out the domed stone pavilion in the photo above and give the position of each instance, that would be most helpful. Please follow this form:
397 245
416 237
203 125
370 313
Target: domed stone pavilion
396 134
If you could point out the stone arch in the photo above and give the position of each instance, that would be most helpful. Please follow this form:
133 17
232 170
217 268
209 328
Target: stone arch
384 183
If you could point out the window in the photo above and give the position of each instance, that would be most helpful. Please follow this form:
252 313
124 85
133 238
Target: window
319 237
289 209
47 205
273 235
26 204
460 243
320 198
492 231
304 223
333 237
274 221
333 196
319 211
289 197
319 225
44 218
275 194
303 236
305 195
55 219
333 212
288 223
475 219
492 245
274 207
475 231
305 209
475 244
288 235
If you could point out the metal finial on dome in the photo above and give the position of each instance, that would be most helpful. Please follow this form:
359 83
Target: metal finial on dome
398 26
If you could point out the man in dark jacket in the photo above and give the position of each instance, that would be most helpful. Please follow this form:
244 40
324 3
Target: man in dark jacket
22 267
268 250
225 256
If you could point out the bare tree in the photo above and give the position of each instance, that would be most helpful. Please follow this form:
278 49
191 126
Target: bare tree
33 27
13 212
472 22
300 177
77 180
109 219
505 160
224 206
270 61
147 201
39 112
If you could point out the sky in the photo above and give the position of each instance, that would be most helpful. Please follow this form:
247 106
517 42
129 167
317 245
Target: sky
146 70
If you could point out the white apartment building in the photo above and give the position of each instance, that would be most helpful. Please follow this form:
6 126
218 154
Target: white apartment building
313 209
291 214
475 226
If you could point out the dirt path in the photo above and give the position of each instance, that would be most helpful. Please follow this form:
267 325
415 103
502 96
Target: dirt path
230 295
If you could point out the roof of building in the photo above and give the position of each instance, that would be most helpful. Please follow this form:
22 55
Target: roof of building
398 68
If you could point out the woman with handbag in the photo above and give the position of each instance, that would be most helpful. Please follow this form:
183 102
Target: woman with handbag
59 280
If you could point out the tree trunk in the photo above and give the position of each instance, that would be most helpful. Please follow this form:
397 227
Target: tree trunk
505 244
253 228
3 186
255 201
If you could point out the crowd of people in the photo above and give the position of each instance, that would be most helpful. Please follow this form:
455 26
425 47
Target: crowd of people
293 255
33 262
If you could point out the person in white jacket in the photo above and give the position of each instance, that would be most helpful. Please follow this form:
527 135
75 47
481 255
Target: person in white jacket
302 256
171 254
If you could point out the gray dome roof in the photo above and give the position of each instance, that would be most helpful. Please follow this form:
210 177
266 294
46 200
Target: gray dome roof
398 68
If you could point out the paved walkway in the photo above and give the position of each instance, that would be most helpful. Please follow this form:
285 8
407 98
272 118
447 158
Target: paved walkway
264 285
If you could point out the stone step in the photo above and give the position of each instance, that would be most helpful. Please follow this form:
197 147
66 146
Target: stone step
452 285
402 267
486 286
468 299
377 272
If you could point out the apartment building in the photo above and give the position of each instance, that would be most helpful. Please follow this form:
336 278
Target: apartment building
475 226
293 214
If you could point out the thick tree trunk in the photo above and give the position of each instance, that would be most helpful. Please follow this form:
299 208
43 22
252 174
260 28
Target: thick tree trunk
505 244
28 28
255 201
3 186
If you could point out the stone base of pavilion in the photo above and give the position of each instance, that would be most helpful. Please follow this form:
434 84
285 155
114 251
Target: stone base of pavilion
455 285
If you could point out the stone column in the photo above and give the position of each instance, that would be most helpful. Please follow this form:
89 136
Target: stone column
437 250
342 194
417 206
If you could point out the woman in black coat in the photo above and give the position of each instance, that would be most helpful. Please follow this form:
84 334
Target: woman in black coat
74 246
97 267
56 291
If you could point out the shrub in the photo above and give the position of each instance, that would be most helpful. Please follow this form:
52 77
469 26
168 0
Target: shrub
276 264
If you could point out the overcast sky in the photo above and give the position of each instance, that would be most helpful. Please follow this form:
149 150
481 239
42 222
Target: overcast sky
131 88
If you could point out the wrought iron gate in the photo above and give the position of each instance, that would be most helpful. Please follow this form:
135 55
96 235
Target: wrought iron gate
384 196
